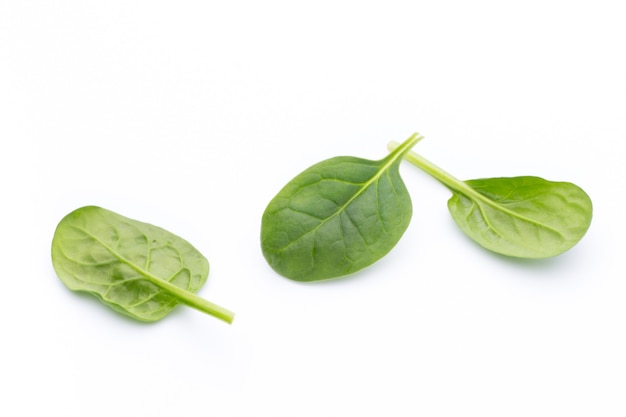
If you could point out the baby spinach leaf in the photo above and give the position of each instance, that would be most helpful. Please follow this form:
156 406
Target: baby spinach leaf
526 217
135 268
337 217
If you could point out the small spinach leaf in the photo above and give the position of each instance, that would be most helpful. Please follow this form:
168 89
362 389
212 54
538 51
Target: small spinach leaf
526 217
135 268
337 217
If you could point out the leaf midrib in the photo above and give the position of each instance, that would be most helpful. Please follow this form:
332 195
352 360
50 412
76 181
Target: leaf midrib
159 282
387 163
479 198
507 237
460 187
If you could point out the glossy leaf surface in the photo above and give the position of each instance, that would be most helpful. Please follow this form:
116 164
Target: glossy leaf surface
337 217
135 268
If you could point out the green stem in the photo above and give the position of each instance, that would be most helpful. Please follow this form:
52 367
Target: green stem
186 297
400 149
454 184
439 174
192 300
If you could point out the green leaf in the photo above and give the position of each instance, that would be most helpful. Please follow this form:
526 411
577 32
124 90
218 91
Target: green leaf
135 268
337 217
525 217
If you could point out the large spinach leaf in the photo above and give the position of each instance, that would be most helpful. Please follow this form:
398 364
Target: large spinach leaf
135 268
337 217
526 217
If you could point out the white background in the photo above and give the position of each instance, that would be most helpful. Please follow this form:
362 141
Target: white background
191 115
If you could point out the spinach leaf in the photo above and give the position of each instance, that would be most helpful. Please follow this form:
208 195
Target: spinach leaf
526 217
337 217
135 268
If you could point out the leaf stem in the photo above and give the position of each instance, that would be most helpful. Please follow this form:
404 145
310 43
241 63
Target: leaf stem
453 183
186 297
439 174
192 300
404 147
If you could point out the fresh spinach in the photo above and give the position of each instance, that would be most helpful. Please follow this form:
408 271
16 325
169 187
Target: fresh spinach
135 268
337 217
525 217
345 213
